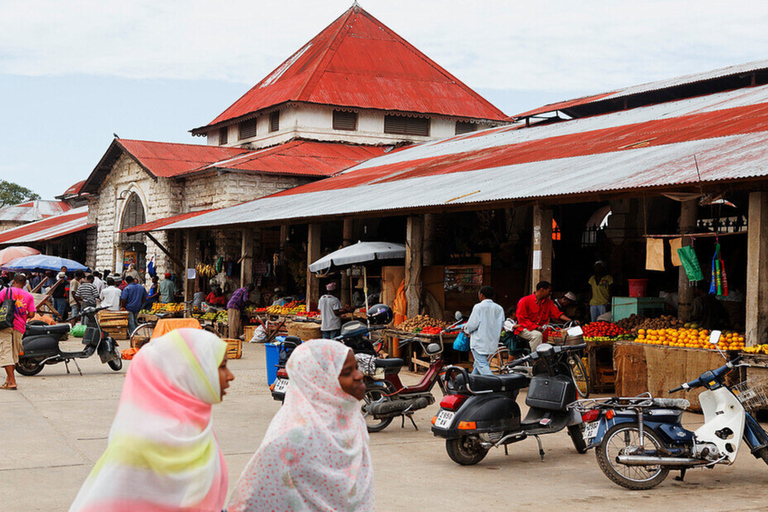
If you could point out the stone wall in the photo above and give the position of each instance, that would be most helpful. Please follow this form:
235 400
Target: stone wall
230 188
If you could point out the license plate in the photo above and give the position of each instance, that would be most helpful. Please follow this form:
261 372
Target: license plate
444 419
590 430
281 385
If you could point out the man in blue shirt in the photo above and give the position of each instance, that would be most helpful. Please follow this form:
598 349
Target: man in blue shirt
484 329
132 298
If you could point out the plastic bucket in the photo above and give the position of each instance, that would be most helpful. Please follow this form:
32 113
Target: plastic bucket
637 287
273 357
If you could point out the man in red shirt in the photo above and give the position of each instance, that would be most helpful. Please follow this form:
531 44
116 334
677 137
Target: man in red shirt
534 311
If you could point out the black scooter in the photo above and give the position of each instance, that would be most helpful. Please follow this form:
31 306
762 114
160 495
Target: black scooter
479 412
40 345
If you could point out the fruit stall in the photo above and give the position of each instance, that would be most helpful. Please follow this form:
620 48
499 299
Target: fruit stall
600 338
422 327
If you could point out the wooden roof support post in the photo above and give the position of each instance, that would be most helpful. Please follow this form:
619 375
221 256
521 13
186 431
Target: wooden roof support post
246 257
414 250
346 281
313 254
685 289
190 247
541 260
757 269
430 220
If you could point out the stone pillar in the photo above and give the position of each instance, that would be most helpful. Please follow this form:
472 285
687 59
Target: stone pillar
346 281
313 254
685 290
189 262
430 227
757 269
246 257
541 260
414 250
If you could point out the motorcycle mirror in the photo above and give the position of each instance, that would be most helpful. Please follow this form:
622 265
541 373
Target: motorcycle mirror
458 316
714 337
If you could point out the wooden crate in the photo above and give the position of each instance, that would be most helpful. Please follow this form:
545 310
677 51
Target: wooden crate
234 348
109 319
119 333
249 330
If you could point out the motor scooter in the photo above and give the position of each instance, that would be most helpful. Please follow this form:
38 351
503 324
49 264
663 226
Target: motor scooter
40 345
639 440
480 412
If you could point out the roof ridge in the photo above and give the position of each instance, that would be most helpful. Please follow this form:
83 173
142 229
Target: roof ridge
181 144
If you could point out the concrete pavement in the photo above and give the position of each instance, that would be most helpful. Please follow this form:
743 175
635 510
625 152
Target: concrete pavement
55 427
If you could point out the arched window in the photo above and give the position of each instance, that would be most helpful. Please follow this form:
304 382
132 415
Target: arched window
133 215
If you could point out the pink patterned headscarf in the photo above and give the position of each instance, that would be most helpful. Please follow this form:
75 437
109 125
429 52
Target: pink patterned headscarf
162 454
314 455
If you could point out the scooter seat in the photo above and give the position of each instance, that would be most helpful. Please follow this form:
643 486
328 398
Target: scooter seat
513 381
52 330
494 383
390 363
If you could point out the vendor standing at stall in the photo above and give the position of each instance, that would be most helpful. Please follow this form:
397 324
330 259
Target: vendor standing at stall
167 289
235 308
330 312
600 284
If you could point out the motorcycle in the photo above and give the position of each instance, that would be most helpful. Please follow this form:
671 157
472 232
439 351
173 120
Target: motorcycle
639 440
40 345
387 398
480 412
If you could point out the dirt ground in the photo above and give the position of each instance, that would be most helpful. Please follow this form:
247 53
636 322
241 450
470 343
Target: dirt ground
55 427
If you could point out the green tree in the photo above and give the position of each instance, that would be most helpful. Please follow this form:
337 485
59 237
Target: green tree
11 193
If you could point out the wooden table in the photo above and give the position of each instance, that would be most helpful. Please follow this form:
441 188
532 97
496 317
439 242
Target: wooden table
598 381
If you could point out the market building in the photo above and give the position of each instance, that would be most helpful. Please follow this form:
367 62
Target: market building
355 91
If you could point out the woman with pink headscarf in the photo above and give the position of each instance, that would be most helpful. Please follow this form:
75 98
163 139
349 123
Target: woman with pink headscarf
162 454
314 456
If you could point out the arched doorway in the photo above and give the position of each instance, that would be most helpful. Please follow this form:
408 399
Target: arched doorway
132 245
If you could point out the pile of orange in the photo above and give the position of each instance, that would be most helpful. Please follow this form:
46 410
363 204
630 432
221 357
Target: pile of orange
689 338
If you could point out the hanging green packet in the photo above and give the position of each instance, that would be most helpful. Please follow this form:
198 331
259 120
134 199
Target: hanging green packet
690 263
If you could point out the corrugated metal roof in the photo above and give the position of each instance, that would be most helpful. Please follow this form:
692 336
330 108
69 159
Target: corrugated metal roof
359 62
645 147
48 229
166 159
74 189
161 223
652 86
32 211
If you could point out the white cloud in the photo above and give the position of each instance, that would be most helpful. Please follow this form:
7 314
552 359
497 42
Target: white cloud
547 45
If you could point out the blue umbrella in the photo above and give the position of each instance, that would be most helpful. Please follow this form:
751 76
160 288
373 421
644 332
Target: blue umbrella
41 263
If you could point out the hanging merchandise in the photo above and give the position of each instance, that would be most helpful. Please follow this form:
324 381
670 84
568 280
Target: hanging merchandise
690 263
719 285
674 245
151 266
654 254
219 264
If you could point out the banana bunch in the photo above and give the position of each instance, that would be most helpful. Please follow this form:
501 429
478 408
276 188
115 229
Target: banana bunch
205 270
757 349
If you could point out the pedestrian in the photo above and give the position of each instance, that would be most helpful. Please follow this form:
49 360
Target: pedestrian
534 312
162 453
98 282
153 294
601 284
74 300
110 296
484 329
131 299
167 289
60 295
87 293
314 455
330 312
10 337
131 271
235 308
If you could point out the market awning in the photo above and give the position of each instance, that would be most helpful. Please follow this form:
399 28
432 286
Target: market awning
48 229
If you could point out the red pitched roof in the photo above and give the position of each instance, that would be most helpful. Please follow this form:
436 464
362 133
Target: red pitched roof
48 229
359 62
157 224
166 159
74 189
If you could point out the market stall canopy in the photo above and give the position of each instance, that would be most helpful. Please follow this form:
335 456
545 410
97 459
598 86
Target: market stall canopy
361 252
15 252
41 263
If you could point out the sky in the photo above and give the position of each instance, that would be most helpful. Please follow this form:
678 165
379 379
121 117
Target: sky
75 72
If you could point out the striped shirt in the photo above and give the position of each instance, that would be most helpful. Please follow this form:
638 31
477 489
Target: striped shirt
88 293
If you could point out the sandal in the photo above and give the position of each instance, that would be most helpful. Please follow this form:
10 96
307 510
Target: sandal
8 386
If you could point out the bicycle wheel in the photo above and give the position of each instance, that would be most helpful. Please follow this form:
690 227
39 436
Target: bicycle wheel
624 438
142 334
579 375
498 359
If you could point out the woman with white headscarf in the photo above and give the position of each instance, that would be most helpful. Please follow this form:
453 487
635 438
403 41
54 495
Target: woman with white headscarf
162 454
314 456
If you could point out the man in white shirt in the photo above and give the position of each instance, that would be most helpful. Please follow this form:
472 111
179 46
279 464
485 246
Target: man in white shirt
330 310
110 295
98 282
484 329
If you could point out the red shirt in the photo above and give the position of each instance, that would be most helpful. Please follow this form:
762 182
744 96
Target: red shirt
532 315
213 300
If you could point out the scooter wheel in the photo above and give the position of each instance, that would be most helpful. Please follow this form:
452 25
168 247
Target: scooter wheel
577 438
374 394
466 450
29 368
116 364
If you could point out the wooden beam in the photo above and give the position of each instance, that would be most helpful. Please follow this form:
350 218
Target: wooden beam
189 262
414 251
541 260
246 257
313 254
346 240
685 290
757 269
165 251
